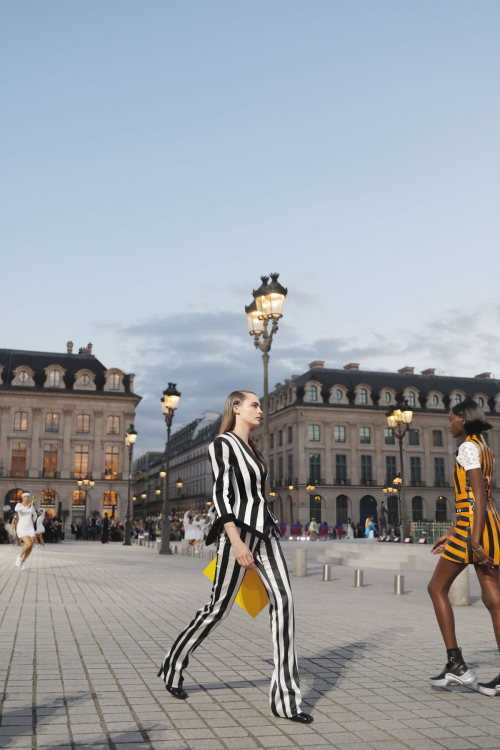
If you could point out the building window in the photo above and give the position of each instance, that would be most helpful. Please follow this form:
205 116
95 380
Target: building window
366 469
457 398
389 437
289 460
21 421
313 433
439 471
110 502
480 401
290 434
315 507
313 393
280 467
112 461
79 498
85 379
280 437
342 505
363 396
413 437
113 426
54 378
271 470
340 467
314 467
415 469
50 460
437 438
23 376
83 423
18 461
365 435
435 400
411 398
441 510
339 434
48 499
417 509
338 394
271 440
114 382
387 397
390 469
52 422
81 461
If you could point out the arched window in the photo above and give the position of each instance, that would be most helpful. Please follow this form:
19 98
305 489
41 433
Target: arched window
85 379
48 499
313 433
342 506
23 376
52 422
315 507
387 397
21 421
363 396
338 394
83 423
79 498
54 379
457 398
435 400
411 398
441 509
113 426
417 508
312 393
13 497
480 401
114 382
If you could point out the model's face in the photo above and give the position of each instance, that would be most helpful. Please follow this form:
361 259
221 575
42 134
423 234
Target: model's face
249 411
456 425
25 500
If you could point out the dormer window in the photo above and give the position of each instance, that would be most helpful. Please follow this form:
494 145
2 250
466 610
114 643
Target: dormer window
85 379
363 396
338 394
435 400
312 393
411 398
114 382
24 376
54 379
457 398
480 401
387 397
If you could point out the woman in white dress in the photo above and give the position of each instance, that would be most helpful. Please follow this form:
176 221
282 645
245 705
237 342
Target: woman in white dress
25 529
190 528
40 528
200 524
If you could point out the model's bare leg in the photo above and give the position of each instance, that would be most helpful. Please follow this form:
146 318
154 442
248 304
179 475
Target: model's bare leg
445 573
28 546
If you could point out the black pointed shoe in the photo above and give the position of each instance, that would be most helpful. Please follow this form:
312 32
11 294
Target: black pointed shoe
490 688
301 718
456 671
177 692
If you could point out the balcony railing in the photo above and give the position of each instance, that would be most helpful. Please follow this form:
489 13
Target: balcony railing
441 483
417 483
368 482
341 482
51 474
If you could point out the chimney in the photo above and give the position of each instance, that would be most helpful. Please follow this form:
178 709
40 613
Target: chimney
316 363
85 349
89 348
352 366
406 371
287 381
131 381
69 347
278 385
484 375
429 371
294 377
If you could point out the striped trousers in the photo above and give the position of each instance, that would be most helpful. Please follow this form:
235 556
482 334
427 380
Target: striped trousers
285 691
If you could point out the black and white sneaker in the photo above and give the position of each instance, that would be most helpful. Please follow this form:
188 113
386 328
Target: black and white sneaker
490 688
456 672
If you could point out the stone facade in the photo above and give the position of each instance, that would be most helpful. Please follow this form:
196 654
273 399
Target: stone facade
63 417
328 426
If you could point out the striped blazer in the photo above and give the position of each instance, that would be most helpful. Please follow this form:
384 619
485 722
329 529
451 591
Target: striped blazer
239 477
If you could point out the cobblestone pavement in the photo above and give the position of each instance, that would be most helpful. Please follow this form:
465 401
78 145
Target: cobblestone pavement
84 630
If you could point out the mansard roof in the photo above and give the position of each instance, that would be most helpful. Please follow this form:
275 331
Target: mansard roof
11 359
188 437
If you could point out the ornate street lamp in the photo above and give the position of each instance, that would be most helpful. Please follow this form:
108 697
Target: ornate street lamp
130 438
268 303
179 484
399 421
169 404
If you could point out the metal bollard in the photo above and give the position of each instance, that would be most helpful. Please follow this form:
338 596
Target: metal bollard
300 562
191 552
201 551
358 579
399 585
459 593
211 554
327 573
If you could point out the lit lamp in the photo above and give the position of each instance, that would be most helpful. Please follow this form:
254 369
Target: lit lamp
270 297
290 486
143 496
157 491
169 404
178 484
310 487
272 493
134 498
130 438
399 421
255 321
170 400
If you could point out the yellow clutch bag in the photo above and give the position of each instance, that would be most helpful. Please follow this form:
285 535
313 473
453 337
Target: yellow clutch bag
252 596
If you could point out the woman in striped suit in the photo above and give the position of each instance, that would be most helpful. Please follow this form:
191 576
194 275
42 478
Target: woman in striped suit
248 540
474 540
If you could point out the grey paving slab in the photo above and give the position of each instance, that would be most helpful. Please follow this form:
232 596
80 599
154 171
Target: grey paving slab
89 680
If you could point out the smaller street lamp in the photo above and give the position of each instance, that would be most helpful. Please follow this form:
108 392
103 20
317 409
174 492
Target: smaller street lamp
179 484
169 404
130 438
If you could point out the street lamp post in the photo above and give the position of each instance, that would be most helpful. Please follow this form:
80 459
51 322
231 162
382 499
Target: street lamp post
169 404
399 421
130 438
267 306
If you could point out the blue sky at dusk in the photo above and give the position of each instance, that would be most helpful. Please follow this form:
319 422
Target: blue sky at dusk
158 157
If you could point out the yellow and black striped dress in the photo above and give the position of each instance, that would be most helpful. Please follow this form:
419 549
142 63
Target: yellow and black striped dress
459 547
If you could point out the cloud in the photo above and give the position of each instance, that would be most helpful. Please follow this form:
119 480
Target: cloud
210 354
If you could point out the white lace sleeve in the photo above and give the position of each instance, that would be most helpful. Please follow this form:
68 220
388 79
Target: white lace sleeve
468 456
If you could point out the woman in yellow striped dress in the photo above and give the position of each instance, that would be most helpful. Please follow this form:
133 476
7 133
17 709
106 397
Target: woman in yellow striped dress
474 540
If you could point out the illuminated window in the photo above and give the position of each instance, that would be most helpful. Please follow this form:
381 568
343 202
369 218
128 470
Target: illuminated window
83 423
51 422
112 461
113 426
50 460
48 499
21 421
18 460
81 461
79 499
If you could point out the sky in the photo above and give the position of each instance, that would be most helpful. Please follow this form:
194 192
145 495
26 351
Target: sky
159 157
